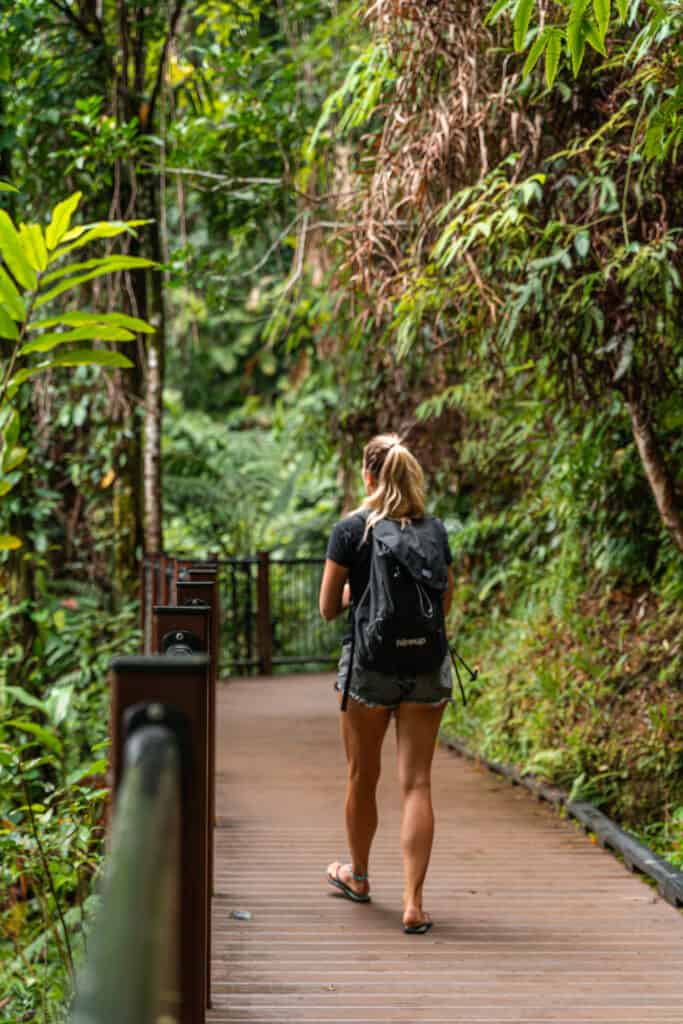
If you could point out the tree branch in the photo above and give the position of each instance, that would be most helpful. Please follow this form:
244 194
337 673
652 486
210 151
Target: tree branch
172 28
77 22
125 50
222 178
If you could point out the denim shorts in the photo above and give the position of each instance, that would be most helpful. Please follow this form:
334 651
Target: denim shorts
383 690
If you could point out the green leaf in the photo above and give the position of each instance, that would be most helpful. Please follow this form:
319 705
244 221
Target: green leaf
10 297
46 342
92 357
8 328
576 34
21 377
90 232
6 486
497 10
577 53
602 10
594 38
98 767
108 228
47 738
582 243
33 244
131 323
18 693
99 262
13 253
622 7
115 263
9 543
13 457
535 52
6 187
521 22
61 219
59 703
78 357
10 426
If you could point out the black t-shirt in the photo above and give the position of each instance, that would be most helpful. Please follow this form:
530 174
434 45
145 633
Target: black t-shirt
346 547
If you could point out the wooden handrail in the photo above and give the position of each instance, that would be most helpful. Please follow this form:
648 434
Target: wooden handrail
132 970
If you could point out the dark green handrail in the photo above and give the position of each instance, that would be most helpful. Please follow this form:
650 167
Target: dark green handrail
131 971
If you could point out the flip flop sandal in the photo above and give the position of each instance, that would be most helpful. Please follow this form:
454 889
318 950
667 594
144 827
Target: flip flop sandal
346 890
417 929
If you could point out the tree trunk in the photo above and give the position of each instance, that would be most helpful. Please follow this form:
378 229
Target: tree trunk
153 532
128 507
127 504
155 371
656 470
138 518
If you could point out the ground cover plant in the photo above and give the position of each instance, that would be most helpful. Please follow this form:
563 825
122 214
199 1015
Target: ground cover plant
54 796
590 701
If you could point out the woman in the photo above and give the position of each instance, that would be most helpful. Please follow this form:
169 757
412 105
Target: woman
394 483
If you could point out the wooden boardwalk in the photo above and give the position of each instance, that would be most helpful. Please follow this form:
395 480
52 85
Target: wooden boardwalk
533 923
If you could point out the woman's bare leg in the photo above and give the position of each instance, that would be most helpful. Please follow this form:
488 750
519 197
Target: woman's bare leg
363 731
417 726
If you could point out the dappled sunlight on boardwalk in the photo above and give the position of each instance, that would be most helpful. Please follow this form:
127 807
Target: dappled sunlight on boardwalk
533 923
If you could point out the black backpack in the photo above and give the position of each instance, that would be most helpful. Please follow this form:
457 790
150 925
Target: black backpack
398 623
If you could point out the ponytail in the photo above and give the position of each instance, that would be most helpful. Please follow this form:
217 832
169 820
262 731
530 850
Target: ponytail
399 491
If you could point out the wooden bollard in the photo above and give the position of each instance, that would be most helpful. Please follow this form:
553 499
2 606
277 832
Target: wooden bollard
187 627
195 593
170 620
180 684
149 596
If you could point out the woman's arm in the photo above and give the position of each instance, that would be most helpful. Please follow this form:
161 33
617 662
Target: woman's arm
332 589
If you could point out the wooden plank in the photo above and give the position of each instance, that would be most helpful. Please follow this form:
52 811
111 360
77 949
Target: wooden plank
534 923
637 857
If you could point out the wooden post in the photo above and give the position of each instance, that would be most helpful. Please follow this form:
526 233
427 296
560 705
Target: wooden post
143 600
195 593
156 578
183 684
169 618
264 625
210 575
170 580
162 596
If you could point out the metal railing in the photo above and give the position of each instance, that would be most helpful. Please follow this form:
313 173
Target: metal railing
270 615
132 972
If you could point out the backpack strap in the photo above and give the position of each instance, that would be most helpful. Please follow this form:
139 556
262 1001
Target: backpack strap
473 672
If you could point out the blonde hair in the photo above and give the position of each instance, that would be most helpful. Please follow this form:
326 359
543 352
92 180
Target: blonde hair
399 491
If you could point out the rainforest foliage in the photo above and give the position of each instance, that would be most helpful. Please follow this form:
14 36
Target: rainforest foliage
239 238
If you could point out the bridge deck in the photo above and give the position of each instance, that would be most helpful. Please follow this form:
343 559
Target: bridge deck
533 922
